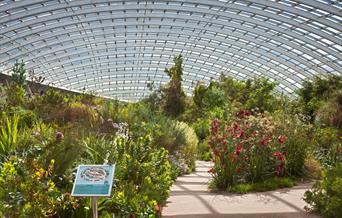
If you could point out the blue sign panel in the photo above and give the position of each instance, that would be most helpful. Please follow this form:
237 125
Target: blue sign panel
93 180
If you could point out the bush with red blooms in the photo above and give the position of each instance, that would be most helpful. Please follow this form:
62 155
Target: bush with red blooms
246 149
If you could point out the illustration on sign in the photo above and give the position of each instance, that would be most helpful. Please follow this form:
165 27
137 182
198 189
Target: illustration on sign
93 180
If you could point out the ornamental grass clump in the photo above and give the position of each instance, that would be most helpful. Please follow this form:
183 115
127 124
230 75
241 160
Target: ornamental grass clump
245 149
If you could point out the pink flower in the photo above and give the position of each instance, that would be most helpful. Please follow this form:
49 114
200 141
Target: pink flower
59 136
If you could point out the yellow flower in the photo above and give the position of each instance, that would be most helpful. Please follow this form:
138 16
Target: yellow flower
51 186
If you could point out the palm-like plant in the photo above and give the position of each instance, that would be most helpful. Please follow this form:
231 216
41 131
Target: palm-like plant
8 135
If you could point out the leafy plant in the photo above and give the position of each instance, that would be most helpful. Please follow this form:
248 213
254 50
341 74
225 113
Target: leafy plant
314 93
8 135
325 196
143 176
15 95
18 75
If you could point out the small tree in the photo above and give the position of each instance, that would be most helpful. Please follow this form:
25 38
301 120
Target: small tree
18 75
173 94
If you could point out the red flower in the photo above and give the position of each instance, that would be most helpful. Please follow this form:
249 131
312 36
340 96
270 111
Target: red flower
211 170
281 139
241 114
235 126
279 155
247 113
265 141
238 150
239 133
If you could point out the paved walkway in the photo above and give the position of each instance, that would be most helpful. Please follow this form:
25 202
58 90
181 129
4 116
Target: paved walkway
191 198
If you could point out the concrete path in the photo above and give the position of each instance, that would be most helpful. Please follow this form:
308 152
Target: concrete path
190 198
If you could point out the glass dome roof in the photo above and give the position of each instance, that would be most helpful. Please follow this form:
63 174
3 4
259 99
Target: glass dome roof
119 48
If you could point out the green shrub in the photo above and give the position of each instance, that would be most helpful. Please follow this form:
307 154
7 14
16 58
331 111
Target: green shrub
315 93
63 150
78 113
204 151
328 146
201 127
330 113
143 174
15 95
26 117
143 178
313 168
326 196
189 149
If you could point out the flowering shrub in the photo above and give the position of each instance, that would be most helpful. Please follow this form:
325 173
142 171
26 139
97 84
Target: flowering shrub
27 189
246 149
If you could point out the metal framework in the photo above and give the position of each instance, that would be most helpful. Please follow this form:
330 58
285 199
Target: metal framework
117 48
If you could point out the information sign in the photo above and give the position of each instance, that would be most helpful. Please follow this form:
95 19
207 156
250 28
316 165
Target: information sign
93 181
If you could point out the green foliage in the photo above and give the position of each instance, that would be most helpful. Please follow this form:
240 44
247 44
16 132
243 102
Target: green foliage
260 94
178 138
330 113
207 98
189 149
64 151
325 196
18 75
26 117
314 93
328 146
15 95
266 185
8 135
77 113
204 151
27 189
201 127
173 94
199 95
54 97
143 175
228 94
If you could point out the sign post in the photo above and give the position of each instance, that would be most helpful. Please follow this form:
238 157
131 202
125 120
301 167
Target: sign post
93 181
94 206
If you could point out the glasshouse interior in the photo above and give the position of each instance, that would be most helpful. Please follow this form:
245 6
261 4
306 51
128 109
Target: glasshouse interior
170 108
